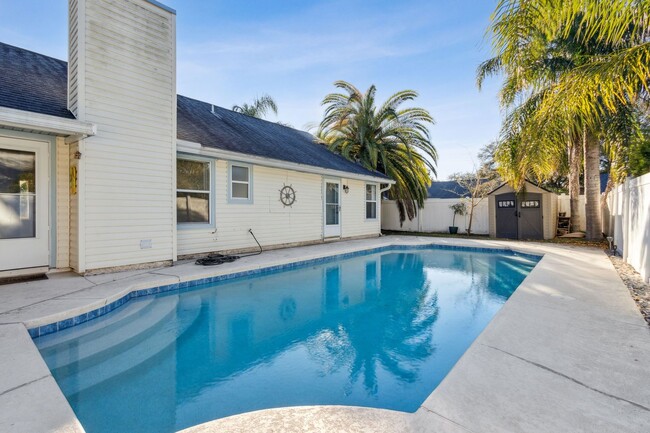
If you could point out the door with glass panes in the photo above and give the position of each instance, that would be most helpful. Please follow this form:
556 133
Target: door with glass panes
24 234
332 205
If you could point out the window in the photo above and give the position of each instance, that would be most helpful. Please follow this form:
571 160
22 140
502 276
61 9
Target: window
371 202
506 203
240 190
17 194
192 191
530 204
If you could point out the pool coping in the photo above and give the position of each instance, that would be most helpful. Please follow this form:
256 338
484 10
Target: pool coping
30 398
38 330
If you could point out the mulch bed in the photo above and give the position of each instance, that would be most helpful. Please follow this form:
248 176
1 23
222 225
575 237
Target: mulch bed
639 289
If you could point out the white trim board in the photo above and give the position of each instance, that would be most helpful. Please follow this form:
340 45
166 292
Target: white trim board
20 119
198 149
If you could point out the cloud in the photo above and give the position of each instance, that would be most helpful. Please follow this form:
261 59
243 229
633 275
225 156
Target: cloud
294 55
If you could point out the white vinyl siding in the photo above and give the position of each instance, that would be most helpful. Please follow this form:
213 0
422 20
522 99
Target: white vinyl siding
73 56
273 223
353 211
62 204
125 76
74 234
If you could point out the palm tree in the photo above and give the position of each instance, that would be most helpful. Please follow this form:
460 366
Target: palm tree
606 83
575 64
259 108
392 140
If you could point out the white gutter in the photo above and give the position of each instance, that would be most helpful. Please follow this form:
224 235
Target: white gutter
197 149
74 129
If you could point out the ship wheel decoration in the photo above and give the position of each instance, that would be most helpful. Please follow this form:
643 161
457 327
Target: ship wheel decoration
287 195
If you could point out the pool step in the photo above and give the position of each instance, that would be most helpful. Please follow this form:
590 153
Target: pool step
92 328
124 333
79 375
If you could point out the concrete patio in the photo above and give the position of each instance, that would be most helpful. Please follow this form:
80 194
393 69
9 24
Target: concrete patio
569 351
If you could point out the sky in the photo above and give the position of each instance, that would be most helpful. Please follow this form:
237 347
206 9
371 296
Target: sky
230 51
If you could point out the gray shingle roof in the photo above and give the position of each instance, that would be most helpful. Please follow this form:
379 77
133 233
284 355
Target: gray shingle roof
447 189
227 130
33 82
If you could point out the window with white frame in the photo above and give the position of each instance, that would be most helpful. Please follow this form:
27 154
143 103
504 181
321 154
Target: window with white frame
240 190
371 202
192 191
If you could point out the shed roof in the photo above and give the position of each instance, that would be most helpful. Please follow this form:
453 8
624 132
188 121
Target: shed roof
527 181
37 83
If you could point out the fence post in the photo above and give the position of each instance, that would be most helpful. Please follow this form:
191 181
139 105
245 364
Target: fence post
626 217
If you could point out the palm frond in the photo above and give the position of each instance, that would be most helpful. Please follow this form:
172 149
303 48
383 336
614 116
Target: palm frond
389 139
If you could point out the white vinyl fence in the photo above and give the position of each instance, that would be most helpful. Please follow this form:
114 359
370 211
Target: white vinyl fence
629 222
436 217
626 219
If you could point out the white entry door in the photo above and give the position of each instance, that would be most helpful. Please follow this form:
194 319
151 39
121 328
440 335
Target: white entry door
332 195
24 224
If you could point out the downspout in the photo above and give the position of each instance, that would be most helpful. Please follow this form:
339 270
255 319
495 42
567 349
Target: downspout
381 191
390 185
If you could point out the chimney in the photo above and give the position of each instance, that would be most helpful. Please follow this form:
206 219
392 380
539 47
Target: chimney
122 77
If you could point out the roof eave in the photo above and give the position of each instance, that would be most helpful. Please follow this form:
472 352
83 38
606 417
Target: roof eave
525 181
193 148
30 121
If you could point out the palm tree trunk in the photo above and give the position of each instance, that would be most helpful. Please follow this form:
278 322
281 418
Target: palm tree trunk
592 186
574 182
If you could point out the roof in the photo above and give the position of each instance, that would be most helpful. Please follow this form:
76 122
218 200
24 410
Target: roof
36 83
227 130
604 177
447 189
526 181
33 82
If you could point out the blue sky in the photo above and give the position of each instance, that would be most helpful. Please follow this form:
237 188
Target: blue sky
231 51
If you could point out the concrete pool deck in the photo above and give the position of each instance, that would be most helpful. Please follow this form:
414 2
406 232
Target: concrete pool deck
569 351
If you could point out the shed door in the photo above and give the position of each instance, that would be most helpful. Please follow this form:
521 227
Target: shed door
506 216
530 217
24 225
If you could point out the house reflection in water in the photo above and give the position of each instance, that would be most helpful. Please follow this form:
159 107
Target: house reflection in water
359 331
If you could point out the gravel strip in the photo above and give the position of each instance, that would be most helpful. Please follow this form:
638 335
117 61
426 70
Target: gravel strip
639 289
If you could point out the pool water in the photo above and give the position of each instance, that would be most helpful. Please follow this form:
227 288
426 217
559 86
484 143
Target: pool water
377 330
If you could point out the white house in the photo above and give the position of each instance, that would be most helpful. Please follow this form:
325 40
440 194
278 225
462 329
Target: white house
103 166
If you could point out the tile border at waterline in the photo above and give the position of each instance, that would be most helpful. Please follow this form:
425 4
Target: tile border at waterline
42 330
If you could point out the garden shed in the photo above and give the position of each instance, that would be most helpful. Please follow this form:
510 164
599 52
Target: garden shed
528 214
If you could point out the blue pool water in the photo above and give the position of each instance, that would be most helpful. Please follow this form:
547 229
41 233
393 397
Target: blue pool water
378 330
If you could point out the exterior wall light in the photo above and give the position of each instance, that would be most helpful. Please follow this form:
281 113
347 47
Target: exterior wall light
346 189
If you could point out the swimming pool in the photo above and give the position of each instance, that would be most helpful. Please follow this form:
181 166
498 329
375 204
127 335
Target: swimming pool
378 329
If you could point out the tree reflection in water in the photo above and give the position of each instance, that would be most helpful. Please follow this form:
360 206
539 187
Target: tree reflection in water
393 333
380 330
